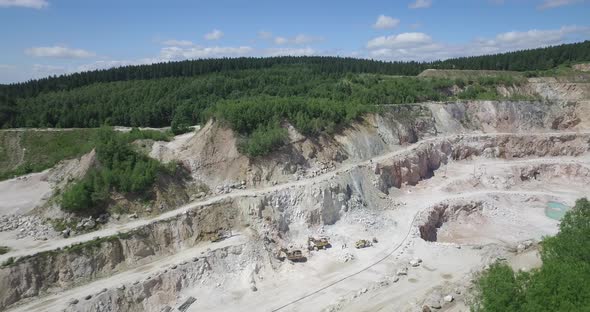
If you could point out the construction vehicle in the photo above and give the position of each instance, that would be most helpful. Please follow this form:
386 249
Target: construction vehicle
317 244
363 243
293 255
218 236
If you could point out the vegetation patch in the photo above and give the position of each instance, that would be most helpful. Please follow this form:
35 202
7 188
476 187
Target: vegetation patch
122 170
41 150
561 284
4 250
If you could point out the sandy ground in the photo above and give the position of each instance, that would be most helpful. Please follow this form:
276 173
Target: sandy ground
515 212
20 195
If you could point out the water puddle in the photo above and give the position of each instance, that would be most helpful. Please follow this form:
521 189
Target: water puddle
556 210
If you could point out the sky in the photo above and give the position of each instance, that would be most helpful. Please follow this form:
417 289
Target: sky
51 37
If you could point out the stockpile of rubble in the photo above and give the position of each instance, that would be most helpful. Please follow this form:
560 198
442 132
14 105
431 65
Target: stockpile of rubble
27 226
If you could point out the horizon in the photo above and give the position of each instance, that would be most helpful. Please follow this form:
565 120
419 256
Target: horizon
411 30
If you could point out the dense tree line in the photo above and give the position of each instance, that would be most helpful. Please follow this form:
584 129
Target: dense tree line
526 60
561 284
185 101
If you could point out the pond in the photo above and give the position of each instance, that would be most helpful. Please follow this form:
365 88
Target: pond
556 210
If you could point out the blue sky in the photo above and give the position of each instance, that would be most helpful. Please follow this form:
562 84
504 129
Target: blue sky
46 37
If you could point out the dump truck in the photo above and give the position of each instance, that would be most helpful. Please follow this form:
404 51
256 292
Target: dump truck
317 244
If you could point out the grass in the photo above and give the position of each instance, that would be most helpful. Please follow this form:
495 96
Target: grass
42 149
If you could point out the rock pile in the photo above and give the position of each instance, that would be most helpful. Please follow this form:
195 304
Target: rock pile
28 226
228 187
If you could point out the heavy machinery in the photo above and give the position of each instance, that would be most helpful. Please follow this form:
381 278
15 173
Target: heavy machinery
363 243
219 235
291 255
317 244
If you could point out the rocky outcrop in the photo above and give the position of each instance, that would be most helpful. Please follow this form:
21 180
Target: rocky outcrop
420 163
441 213
54 270
151 293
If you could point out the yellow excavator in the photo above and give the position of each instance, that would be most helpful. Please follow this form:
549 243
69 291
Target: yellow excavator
363 243
291 255
317 244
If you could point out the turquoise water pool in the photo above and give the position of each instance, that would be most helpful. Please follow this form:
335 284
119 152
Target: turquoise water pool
556 210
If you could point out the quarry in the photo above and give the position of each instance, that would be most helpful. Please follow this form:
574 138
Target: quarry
400 211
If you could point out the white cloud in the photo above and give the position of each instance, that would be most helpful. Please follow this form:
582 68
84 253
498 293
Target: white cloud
59 52
300 39
216 34
288 52
549 4
421 47
110 64
281 40
7 66
33 4
399 41
179 43
385 22
420 4
532 38
48 69
264 34
178 53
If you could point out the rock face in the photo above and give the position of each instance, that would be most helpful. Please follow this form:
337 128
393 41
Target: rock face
54 270
213 159
149 294
439 214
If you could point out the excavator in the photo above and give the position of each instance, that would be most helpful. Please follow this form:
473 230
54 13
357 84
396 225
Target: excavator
363 243
291 255
317 244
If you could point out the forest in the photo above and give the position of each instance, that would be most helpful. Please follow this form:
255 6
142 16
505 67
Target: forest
526 60
560 284
316 94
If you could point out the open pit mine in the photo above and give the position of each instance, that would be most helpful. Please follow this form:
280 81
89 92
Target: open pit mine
399 211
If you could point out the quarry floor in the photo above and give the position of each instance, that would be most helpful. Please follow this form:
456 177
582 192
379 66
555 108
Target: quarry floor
512 211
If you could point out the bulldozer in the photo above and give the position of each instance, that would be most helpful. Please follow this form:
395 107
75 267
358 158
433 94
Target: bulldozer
317 244
291 255
363 243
